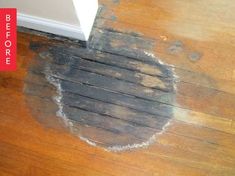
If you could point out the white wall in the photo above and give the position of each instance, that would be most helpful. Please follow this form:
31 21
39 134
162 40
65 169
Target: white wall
86 12
72 18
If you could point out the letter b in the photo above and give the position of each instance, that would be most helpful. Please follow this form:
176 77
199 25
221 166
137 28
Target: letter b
8 17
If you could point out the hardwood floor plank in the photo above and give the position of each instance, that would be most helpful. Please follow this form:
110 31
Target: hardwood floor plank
116 98
115 111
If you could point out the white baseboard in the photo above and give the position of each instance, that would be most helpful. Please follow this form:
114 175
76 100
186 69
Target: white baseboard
51 26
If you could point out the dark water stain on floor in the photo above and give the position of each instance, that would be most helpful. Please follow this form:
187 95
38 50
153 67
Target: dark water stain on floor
112 94
194 56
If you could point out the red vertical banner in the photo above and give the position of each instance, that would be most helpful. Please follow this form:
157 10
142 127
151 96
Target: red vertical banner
8 27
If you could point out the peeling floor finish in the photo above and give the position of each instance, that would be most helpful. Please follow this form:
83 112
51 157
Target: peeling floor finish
100 96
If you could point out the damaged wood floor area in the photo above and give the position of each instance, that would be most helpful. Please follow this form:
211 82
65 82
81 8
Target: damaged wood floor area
102 98
152 94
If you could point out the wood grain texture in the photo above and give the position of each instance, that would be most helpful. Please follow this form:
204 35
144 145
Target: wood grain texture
195 37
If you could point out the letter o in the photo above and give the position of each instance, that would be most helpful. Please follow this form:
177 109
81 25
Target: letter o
8 43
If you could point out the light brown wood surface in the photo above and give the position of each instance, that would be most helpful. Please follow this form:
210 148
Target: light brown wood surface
200 140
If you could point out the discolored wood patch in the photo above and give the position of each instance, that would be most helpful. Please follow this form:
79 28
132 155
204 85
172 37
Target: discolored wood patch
110 95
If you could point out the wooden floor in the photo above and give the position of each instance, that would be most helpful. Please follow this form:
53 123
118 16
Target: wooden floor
194 87
102 97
